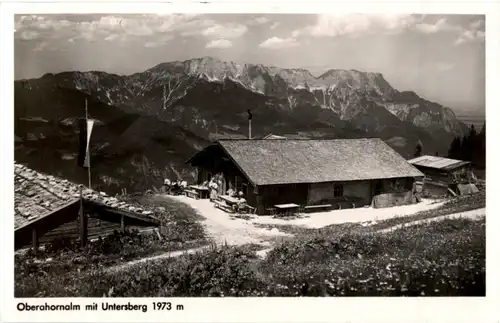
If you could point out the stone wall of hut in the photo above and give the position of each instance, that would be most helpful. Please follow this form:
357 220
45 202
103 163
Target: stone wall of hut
393 192
320 193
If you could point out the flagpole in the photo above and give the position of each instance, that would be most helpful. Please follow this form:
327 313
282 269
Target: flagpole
88 152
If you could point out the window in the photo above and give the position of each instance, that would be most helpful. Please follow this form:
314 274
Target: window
338 190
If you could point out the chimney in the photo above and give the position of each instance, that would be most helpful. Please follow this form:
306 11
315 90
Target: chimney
249 124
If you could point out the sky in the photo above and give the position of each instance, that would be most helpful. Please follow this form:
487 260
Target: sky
440 57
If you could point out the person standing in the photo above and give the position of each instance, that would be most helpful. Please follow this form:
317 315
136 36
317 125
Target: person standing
213 190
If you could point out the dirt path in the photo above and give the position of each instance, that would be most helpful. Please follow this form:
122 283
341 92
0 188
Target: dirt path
224 229
473 214
220 227
358 215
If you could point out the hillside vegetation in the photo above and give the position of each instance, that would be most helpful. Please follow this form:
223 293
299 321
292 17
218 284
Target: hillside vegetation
445 258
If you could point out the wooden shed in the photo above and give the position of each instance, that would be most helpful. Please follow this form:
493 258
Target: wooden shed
442 175
310 172
48 208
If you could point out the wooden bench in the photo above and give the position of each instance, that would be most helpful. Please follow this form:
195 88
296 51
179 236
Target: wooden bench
346 205
310 208
175 191
271 211
223 206
249 208
287 209
192 194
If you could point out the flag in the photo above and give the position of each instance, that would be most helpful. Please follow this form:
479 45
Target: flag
85 126
249 114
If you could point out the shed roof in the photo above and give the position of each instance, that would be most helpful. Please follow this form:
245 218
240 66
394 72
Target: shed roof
268 162
37 195
437 162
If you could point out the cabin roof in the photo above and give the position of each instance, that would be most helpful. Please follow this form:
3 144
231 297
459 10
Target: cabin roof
37 195
437 162
270 162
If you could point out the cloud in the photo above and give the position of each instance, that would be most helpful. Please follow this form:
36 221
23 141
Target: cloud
438 26
274 25
29 35
332 25
158 41
149 30
112 37
107 27
42 46
257 21
477 25
277 43
470 36
219 43
227 31
474 33
195 27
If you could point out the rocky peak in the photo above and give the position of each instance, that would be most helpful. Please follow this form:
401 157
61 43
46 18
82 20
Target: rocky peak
365 81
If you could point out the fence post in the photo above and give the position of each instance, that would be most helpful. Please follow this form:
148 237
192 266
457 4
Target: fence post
34 238
123 224
83 222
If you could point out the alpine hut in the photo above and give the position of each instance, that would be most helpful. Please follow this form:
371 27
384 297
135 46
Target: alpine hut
310 173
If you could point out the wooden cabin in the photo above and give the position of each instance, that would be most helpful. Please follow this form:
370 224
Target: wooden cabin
47 208
310 172
444 175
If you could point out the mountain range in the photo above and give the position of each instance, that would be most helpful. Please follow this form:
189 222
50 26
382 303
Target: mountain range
149 123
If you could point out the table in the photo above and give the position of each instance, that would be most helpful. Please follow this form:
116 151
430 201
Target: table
228 199
203 191
286 208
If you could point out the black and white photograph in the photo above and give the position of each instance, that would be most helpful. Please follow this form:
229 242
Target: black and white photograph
249 155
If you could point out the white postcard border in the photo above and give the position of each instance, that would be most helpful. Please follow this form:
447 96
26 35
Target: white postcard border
439 309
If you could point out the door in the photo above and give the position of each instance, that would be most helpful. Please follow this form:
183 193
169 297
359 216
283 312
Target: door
378 187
